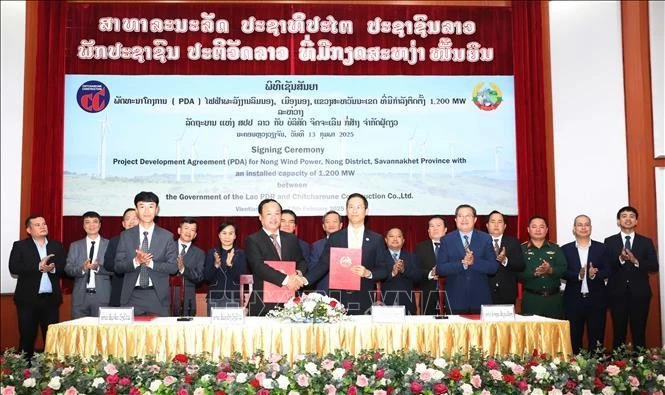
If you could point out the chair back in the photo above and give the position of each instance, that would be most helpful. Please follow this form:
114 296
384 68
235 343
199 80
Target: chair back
246 287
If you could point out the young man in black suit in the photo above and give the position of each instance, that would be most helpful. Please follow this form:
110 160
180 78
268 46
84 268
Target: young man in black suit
271 244
509 258
632 258
37 262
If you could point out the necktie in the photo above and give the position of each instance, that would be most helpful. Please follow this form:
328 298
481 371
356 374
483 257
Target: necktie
437 246
497 249
395 256
627 244
184 249
144 279
466 242
87 273
276 244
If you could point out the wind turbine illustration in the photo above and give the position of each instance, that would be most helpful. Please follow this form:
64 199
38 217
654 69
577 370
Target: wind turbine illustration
192 156
497 151
178 149
104 129
423 153
410 152
453 148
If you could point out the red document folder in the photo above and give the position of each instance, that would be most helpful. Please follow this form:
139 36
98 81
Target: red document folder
276 293
341 262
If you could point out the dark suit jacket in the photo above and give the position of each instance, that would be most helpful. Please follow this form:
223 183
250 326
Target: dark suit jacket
467 289
259 248
375 258
225 281
426 258
193 261
24 263
164 251
627 276
78 253
313 260
109 265
503 284
399 287
600 260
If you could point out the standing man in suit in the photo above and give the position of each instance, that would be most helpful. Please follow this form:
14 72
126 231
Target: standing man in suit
376 262
509 260
427 251
147 256
190 269
467 260
37 262
92 283
271 244
129 220
331 223
397 289
584 298
288 225
632 258
541 278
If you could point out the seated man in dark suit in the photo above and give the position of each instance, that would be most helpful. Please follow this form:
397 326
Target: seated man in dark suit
509 260
397 289
271 244
584 299
147 256
376 262
632 256
37 263
467 260
331 223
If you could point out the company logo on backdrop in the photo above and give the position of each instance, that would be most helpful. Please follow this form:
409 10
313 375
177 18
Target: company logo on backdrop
487 99
93 96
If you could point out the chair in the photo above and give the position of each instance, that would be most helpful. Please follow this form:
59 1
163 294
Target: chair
177 294
246 287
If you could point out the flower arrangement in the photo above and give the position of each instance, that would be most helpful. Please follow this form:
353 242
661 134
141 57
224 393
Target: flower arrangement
369 372
313 307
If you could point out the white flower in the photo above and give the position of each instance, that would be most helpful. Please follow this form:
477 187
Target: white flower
467 389
409 371
537 391
440 363
55 383
338 373
309 305
241 378
556 361
199 391
294 392
437 374
640 359
660 379
283 382
576 368
580 377
555 391
267 383
311 368
154 386
541 372
205 378
29 383
97 382
608 391
509 364
67 371
587 392
420 367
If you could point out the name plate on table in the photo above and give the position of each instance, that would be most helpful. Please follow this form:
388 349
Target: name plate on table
497 312
116 315
388 314
227 315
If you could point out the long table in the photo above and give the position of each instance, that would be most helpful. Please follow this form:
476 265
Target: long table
165 337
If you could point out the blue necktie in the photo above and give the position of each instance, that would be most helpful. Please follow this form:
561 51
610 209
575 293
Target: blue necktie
144 278
466 242
395 256
627 244
437 246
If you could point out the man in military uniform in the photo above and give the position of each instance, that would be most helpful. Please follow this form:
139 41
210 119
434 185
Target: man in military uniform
541 279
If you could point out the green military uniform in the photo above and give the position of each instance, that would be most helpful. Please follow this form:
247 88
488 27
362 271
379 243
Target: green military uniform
541 294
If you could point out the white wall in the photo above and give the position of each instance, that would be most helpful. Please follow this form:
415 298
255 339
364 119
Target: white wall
588 108
13 52
660 207
657 44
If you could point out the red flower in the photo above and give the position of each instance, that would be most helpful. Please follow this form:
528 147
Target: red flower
598 383
112 379
570 384
254 383
543 356
220 392
492 364
416 388
125 381
523 386
26 373
509 378
440 388
263 391
390 390
535 352
297 299
182 391
221 375
455 374
379 374
333 303
600 368
6 371
2 360
188 379
346 364
134 391
377 355
112 391
47 391
352 390
620 364
182 358
225 366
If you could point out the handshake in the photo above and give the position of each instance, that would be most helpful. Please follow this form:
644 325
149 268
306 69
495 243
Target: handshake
296 281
